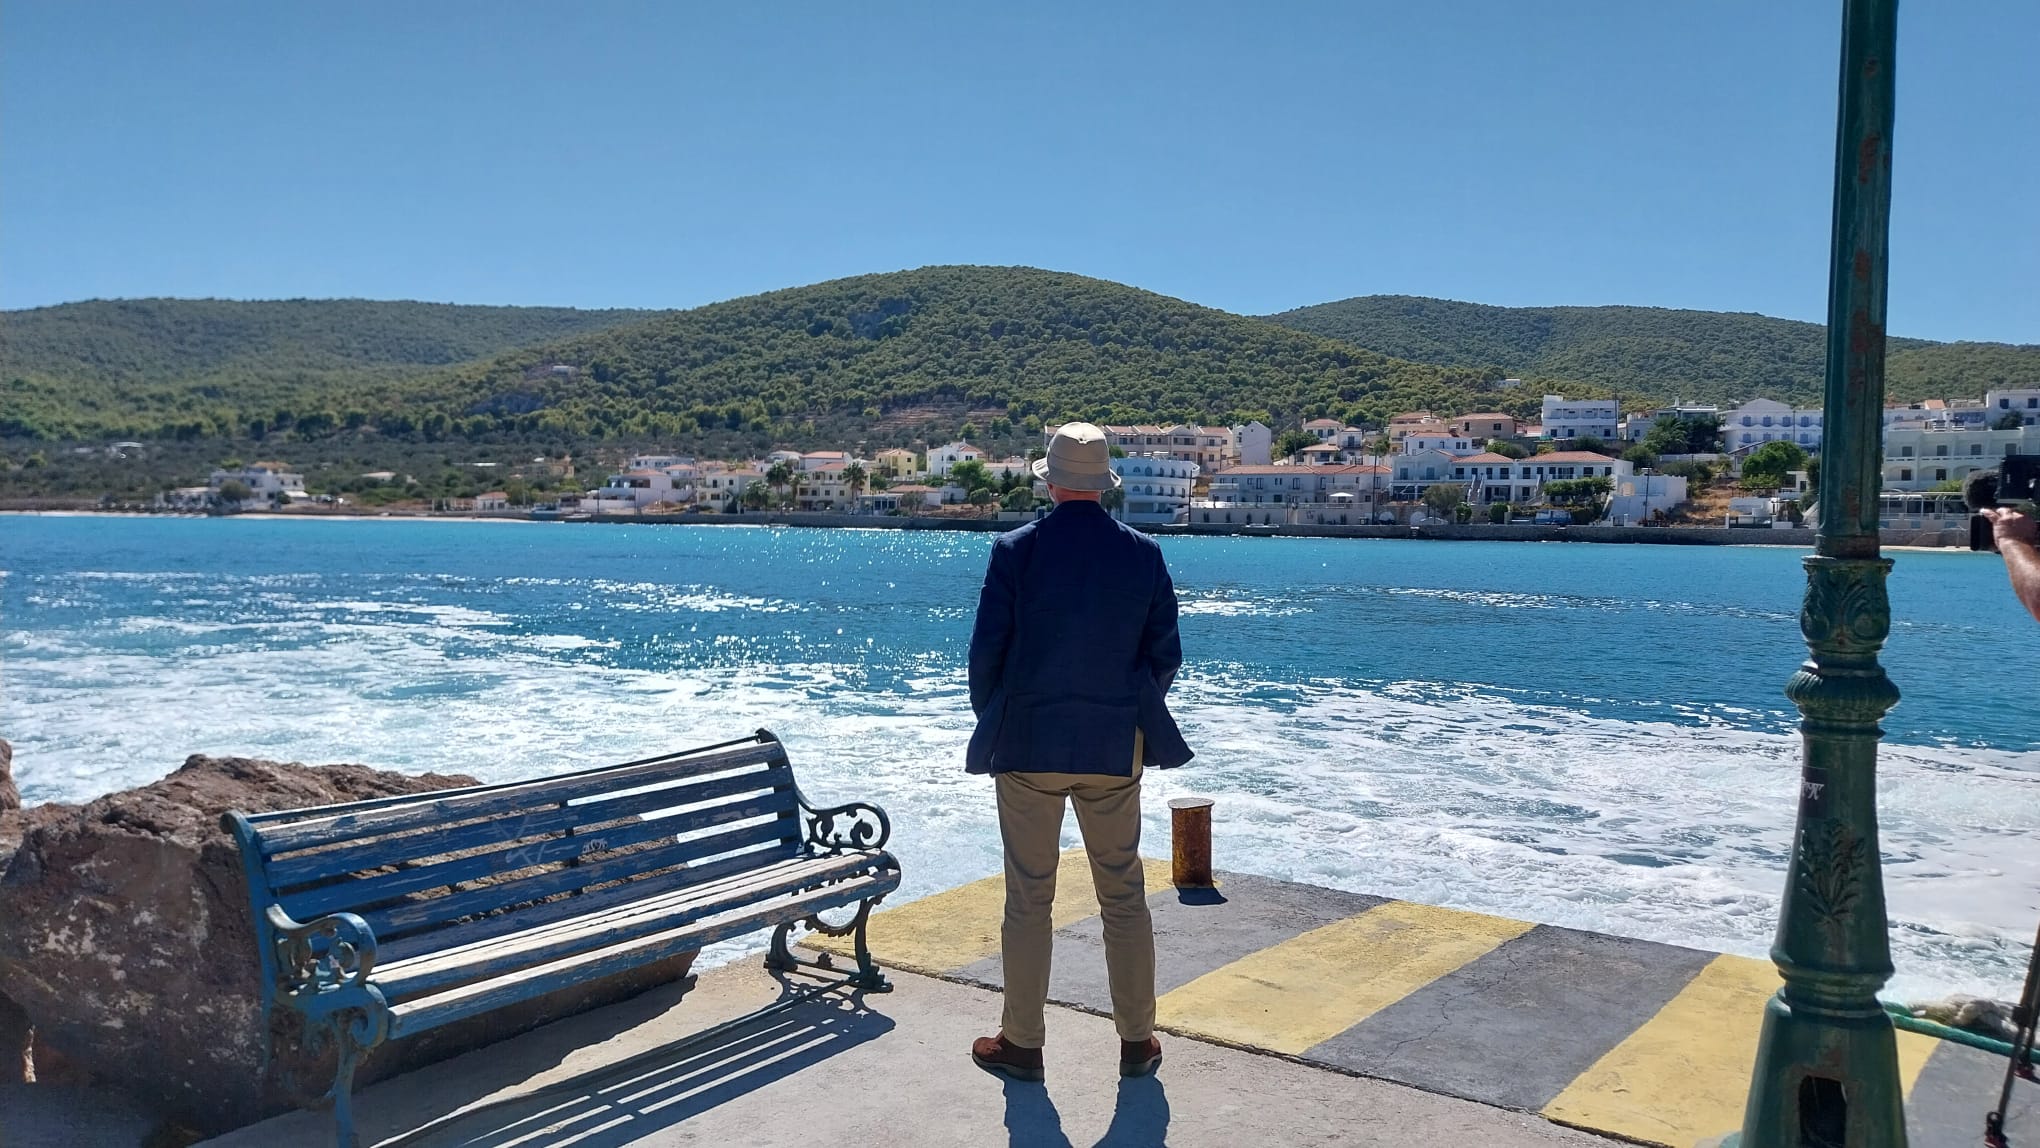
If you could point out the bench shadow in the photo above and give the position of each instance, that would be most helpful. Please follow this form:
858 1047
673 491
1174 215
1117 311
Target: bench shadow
1140 1117
609 1107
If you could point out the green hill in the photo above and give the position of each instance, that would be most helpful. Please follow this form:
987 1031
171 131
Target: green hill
893 355
139 366
1703 356
858 352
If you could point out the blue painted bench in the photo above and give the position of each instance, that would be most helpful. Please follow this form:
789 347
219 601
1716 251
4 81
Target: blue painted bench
379 920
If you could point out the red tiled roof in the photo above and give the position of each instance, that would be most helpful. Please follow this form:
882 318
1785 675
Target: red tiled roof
1322 423
1569 456
1488 458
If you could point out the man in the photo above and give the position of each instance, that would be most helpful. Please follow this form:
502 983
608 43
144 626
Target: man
1074 648
2016 538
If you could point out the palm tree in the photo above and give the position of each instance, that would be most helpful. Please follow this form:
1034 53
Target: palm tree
853 477
1114 500
779 477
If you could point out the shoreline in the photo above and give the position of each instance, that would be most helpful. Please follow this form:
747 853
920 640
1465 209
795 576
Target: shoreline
1795 538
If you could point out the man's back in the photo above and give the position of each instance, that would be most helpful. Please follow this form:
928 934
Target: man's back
1074 647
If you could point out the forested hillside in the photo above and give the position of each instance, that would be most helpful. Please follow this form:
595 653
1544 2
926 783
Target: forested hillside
1037 343
1704 356
152 366
901 354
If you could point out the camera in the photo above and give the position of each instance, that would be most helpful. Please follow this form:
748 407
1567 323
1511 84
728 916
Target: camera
2014 485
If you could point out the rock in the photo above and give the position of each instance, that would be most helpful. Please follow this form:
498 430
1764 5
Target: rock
10 797
130 948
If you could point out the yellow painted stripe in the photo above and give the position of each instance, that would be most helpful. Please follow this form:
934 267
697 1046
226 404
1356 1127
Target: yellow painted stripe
1317 985
945 931
1683 1076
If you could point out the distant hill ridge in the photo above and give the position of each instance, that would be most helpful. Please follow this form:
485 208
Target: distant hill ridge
865 357
1660 353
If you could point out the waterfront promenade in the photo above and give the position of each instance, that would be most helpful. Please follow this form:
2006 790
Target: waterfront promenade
1296 1014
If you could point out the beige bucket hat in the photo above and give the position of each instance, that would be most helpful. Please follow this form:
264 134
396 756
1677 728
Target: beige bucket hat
1078 459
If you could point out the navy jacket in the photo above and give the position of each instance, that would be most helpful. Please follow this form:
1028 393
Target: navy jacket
1074 647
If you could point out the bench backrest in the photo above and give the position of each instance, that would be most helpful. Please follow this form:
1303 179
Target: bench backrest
431 871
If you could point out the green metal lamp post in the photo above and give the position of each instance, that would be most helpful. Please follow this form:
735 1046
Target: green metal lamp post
1827 1062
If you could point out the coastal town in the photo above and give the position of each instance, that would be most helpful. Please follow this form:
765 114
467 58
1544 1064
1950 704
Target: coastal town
1584 462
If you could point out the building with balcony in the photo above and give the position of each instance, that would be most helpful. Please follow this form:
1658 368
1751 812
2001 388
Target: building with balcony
1919 457
1338 495
1156 487
1581 418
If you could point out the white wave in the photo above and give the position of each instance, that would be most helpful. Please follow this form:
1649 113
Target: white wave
1671 830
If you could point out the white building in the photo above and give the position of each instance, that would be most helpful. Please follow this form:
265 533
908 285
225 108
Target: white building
2023 400
1638 496
818 460
658 462
1005 467
1491 478
1344 495
1255 443
1450 444
942 458
493 500
635 490
719 484
1581 418
266 482
1918 457
1759 421
1157 487
1636 425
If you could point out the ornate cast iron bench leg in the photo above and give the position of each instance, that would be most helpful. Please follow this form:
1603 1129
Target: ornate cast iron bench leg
868 976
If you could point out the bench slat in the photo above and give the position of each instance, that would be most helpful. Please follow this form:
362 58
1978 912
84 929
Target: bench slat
649 894
602 929
430 811
424 1013
611 834
412 916
481 930
324 864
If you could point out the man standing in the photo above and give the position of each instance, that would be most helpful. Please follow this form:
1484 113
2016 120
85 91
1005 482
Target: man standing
1074 648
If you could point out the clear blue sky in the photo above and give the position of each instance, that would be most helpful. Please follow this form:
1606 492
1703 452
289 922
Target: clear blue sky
1247 156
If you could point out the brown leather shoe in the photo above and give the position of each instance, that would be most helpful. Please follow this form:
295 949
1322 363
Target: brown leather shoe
998 1055
1139 1057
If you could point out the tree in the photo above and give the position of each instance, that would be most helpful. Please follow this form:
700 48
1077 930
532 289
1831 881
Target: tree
1499 512
2010 420
1640 456
854 478
1020 498
970 474
782 478
911 501
1462 514
1588 443
1684 434
518 492
878 481
981 497
1114 500
1294 441
1506 449
1443 498
1767 465
235 491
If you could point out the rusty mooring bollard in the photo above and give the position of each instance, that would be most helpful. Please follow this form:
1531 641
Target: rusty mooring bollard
1190 825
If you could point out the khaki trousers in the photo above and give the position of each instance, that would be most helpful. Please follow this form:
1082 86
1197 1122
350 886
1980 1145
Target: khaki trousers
1030 822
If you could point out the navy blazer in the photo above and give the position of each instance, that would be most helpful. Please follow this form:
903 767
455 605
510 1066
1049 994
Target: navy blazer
1075 646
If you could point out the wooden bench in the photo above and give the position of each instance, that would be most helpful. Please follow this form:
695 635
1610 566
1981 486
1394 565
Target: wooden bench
378 920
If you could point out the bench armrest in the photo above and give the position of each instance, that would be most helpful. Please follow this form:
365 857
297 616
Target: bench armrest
333 952
858 825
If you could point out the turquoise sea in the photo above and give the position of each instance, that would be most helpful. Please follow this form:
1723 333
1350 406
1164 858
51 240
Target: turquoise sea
1585 735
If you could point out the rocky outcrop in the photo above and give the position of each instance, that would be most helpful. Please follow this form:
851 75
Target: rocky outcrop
10 797
130 950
